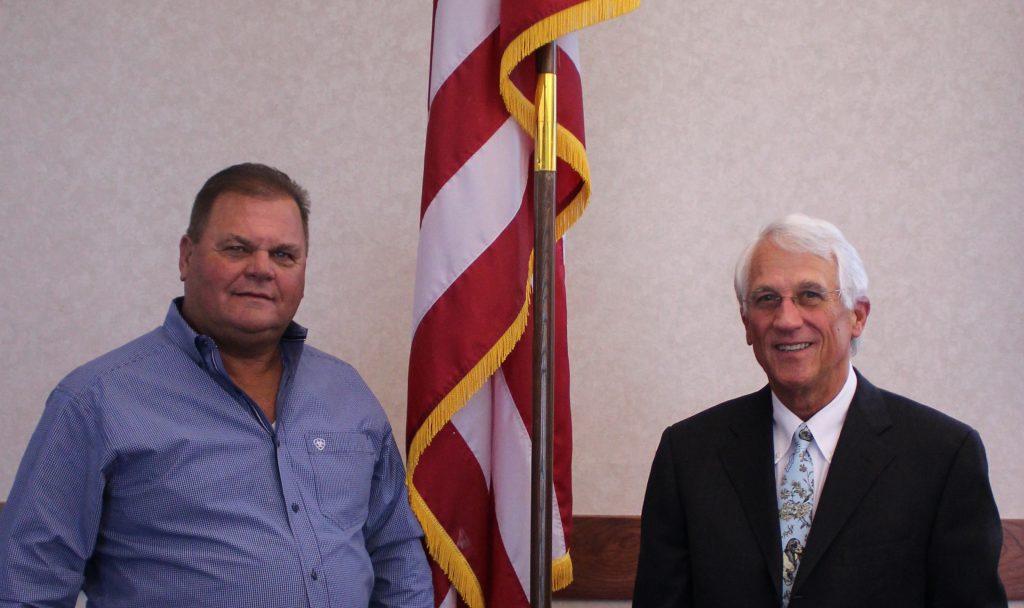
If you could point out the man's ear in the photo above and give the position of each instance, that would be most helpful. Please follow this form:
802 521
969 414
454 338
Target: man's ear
860 311
184 256
746 326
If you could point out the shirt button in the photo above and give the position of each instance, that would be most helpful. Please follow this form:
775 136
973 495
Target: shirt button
295 507
313 574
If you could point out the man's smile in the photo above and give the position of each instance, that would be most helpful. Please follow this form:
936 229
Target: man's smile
792 347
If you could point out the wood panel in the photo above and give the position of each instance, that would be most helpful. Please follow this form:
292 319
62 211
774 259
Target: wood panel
605 549
1011 562
604 552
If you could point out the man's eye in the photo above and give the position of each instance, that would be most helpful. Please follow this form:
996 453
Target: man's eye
812 296
766 299
284 255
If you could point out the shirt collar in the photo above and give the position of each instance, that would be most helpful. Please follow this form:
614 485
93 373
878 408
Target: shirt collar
825 425
182 334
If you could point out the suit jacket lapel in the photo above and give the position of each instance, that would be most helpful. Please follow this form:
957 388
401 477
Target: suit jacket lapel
861 454
749 463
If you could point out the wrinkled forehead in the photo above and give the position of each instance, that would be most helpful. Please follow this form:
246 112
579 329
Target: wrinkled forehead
778 266
237 198
256 219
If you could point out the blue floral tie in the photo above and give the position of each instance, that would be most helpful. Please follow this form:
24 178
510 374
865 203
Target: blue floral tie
796 506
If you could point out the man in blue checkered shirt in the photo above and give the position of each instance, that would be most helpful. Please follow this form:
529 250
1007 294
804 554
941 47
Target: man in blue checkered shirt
217 460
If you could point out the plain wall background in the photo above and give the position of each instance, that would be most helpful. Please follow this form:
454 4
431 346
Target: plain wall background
902 121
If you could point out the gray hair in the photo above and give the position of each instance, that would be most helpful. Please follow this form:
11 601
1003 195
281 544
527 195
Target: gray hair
802 234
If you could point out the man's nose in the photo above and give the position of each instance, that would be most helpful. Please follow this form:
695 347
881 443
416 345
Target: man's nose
260 265
788 315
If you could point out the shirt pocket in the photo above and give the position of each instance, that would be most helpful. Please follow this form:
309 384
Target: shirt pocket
343 469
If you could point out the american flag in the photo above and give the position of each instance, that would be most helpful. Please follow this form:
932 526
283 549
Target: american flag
470 369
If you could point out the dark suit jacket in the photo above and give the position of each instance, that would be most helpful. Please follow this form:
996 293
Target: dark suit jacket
906 517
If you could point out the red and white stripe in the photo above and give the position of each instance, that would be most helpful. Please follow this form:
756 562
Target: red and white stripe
470 368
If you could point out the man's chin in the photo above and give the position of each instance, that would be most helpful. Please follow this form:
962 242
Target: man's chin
254 314
790 380
261 328
253 303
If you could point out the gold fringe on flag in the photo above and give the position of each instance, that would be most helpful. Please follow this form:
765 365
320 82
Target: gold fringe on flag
569 148
440 545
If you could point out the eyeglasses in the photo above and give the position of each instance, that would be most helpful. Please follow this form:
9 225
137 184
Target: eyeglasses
807 299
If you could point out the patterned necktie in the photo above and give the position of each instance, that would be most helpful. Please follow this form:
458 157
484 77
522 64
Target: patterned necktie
796 505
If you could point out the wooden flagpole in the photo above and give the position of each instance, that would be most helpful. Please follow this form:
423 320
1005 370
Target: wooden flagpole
545 159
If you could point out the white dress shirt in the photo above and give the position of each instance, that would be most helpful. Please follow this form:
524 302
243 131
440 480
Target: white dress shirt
825 426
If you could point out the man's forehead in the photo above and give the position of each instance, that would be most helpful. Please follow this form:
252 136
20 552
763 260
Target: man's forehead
769 285
234 199
772 264
243 216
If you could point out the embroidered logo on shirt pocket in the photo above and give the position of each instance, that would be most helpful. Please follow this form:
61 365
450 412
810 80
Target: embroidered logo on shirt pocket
343 467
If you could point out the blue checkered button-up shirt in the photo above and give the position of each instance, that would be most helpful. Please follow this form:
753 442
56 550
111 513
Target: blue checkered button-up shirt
153 481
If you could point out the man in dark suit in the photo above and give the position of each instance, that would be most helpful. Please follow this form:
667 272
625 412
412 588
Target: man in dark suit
820 489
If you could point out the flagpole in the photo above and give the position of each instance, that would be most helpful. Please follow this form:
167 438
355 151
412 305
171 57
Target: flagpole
543 328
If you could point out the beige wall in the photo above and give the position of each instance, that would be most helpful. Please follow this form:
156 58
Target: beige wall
900 120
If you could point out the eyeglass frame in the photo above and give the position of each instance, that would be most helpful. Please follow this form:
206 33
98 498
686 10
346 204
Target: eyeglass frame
795 299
